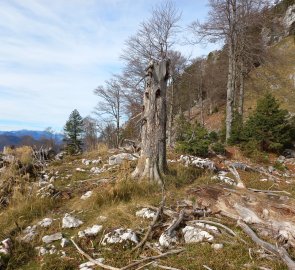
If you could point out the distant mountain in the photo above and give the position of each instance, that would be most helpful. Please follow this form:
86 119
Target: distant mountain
26 137
35 134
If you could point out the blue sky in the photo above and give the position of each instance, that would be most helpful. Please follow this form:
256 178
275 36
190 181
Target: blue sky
53 53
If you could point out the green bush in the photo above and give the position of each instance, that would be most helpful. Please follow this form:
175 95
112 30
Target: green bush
192 138
251 150
218 148
268 127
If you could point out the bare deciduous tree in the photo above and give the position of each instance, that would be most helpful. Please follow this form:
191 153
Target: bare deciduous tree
110 107
90 133
151 44
229 21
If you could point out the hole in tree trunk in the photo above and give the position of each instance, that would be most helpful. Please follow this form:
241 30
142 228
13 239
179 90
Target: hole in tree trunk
158 93
146 94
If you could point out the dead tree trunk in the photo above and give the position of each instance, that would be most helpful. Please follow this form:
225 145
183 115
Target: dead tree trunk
152 162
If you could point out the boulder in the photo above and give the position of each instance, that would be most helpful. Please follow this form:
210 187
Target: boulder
217 246
69 221
289 20
166 241
195 235
41 251
30 234
46 222
51 238
198 162
90 231
119 158
146 213
119 236
86 195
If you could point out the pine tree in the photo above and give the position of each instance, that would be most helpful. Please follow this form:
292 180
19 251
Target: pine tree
73 131
268 125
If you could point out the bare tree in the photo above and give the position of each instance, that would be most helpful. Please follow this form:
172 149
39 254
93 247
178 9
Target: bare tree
227 22
110 107
154 39
151 44
90 133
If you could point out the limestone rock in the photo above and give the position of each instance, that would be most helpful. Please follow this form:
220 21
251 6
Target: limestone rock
46 222
91 231
69 221
289 19
166 241
196 235
86 195
119 236
198 162
217 246
30 233
51 238
146 213
118 159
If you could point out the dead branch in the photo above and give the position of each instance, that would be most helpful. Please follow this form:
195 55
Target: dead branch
104 266
145 265
207 267
172 252
278 251
175 224
152 226
270 191
164 266
234 171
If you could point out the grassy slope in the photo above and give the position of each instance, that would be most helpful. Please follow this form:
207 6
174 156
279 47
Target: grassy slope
118 202
274 76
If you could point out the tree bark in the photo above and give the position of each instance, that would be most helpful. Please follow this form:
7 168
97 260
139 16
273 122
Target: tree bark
241 93
170 119
232 44
152 162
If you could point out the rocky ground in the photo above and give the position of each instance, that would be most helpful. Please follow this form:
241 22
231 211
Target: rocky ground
85 212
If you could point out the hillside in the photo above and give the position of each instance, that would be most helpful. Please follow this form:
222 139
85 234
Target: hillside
94 193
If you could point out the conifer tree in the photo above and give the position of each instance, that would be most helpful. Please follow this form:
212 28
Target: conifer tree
268 125
73 131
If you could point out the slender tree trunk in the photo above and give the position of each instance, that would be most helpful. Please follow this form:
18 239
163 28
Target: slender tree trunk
152 162
232 43
241 92
170 119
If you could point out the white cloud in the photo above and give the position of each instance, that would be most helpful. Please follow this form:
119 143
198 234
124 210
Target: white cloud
53 53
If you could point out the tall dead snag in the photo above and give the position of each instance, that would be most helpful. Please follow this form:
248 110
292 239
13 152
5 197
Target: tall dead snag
152 162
